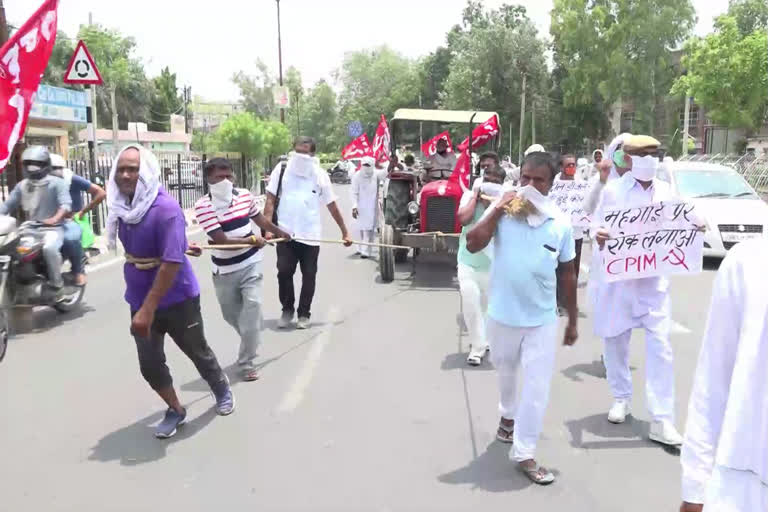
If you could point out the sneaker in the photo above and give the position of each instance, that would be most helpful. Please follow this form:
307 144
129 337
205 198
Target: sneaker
285 320
475 357
302 323
225 399
619 411
171 421
664 432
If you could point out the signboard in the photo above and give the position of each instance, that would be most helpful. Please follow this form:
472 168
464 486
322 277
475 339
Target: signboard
569 197
281 96
82 68
655 240
59 104
354 129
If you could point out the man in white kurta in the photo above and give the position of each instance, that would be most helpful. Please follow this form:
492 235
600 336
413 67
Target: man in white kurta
365 206
725 453
642 303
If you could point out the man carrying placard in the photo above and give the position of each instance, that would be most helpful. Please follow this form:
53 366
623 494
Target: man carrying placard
637 303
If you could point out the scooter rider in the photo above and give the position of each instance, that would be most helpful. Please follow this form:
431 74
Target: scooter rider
45 199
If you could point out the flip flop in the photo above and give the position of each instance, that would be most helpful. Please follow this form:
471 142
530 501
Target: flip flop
505 433
538 474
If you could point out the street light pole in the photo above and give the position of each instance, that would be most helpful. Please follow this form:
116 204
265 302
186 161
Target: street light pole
280 57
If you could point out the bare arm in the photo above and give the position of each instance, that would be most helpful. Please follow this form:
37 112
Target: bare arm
336 214
98 195
480 236
567 273
269 208
467 212
266 224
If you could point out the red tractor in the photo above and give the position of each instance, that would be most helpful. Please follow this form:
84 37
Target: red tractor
422 216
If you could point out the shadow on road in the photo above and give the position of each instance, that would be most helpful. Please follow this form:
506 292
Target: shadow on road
492 471
136 443
458 361
631 434
42 319
594 369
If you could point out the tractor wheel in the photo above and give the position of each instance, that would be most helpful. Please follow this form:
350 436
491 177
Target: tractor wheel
387 254
396 203
401 255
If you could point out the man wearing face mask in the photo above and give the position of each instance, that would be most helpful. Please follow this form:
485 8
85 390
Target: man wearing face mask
643 303
568 173
615 165
528 249
295 197
44 198
473 270
226 213
365 206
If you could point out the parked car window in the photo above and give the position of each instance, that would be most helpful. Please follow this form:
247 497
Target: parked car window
702 183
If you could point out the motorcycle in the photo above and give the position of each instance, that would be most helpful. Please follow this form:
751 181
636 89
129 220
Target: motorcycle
24 274
339 173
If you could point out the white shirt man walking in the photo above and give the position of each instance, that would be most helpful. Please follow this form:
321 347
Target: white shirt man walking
638 303
225 213
522 319
725 452
296 196
365 205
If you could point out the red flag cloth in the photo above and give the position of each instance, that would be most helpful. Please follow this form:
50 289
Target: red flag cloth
381 141
482 133
460 173
358 148
429 148
23 59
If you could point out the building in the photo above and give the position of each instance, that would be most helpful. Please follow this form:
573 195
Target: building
55 112
209 115
176 140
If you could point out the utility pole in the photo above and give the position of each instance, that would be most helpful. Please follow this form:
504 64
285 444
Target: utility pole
533 122
510 141
280 57
686 120
522 123
186 96
421 127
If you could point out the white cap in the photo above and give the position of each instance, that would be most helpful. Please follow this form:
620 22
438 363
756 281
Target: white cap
581 162
536 148
57 161
368 161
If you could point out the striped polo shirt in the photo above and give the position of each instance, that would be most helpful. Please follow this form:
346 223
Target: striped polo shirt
235 221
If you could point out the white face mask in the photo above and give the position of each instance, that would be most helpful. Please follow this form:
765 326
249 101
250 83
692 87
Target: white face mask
221 194
644 167
301 165
490 189
367 171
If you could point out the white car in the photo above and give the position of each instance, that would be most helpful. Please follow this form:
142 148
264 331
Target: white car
733 210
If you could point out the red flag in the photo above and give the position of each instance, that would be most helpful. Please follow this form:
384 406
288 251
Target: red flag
429 148
23 59
482 133
381 141
461 171
358 148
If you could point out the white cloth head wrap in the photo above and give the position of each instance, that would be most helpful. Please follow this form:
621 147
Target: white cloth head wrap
120 206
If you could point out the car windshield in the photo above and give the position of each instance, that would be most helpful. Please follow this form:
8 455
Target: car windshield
704 183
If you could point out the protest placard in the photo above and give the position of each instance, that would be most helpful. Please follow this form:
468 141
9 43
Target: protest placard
569 197
659 239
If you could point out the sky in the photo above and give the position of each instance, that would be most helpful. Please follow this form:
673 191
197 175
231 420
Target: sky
205 43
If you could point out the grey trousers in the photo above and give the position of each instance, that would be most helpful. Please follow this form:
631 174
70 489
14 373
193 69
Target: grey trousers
239 295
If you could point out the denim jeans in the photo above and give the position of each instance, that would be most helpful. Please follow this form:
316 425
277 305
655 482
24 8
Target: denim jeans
72 248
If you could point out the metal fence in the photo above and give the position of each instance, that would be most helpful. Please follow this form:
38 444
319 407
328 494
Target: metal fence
753 167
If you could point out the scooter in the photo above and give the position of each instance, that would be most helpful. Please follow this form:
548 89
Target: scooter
24 274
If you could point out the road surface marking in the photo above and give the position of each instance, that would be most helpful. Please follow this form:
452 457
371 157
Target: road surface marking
295 395
105 264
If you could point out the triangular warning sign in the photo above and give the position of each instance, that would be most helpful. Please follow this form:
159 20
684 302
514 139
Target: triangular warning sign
82 69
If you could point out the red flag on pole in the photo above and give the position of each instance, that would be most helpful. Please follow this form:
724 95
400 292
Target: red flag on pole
429 148
381 141
460 173
358 148
482 133
23 59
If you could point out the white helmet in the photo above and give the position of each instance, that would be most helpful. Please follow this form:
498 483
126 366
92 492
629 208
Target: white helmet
57 162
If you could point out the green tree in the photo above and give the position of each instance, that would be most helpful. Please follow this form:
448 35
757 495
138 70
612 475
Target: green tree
293 115
433 72
57 65
374 82
165 101
619 49
320 118
243 133
727 73
750 15
256 91
123 74
277 138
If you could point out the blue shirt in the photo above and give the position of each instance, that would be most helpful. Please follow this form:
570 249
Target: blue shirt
76 189
525 259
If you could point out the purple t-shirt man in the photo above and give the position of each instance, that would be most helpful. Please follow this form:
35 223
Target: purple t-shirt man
160 234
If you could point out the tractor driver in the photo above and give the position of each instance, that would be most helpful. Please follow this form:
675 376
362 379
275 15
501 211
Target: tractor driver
441 164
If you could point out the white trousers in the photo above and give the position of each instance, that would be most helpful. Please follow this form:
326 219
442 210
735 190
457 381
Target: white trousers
533 349
473 285
366 236
659 367
729 490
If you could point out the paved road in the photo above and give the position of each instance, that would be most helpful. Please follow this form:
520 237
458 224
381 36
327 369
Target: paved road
371 409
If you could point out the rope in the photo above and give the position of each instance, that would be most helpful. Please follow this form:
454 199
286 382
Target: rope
143 263
235 247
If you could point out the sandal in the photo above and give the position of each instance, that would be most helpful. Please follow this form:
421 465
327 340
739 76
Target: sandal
250 375
505 433
538 474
